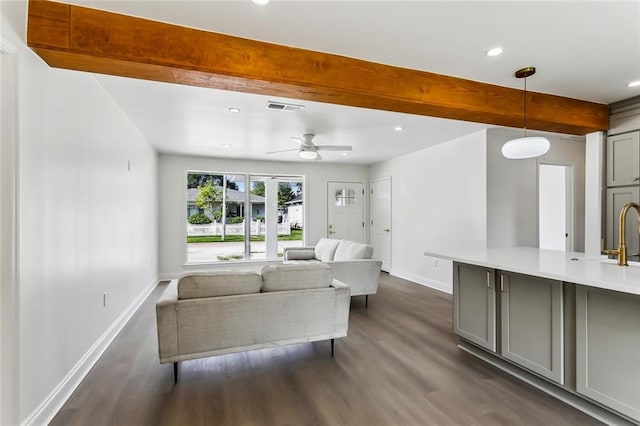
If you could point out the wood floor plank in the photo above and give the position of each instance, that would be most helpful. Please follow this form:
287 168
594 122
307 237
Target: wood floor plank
399 365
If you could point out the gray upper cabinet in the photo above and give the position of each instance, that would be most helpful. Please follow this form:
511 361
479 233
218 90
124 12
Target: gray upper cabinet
616 199
608 349
532 324
474 304
623 159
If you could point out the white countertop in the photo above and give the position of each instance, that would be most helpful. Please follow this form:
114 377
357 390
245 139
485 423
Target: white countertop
558 265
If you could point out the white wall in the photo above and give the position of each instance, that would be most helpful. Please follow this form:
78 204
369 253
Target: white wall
439 201
594 193
87 225
512 190
172 181
8 297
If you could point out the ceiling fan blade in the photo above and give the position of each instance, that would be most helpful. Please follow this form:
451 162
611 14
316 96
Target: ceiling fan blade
334 147
282 150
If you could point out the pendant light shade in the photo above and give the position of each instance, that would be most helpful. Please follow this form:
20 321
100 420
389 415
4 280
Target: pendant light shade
527 146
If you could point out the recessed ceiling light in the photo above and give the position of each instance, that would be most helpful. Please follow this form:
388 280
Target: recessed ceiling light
494 52
260 2
398 128
226 145
344 154
234 109
634 84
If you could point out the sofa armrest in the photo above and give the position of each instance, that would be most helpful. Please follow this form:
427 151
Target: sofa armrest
167 321
360 274
343 303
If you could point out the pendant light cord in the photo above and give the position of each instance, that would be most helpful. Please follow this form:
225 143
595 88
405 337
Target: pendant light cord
525 107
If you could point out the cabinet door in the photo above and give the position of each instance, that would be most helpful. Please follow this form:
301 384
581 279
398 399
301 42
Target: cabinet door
616 199
474 304
608 349
532 324
623 159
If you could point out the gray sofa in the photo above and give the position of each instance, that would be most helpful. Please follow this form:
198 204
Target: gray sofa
212 313
350 261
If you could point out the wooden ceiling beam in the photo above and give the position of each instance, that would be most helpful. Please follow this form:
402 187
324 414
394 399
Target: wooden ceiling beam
84 39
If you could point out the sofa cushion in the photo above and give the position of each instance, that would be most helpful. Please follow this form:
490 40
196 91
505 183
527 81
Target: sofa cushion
300 254
296 276
349 250
325 249
194 285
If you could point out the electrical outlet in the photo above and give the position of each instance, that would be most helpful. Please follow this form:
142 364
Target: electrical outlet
105 299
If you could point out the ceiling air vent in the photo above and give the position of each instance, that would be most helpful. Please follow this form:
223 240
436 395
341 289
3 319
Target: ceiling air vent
284 107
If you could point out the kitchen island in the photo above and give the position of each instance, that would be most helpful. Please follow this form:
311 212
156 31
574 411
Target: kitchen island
566 323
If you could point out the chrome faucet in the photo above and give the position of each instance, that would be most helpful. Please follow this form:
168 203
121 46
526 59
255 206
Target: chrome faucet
622 240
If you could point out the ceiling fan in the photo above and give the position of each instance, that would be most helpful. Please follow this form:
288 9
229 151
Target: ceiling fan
309 151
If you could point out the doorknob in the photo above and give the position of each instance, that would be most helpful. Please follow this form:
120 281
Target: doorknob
386 230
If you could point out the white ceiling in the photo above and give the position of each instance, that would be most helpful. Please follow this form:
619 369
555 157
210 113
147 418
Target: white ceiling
582 49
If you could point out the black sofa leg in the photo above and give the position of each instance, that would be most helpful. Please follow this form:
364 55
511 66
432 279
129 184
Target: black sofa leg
332 345
366 301
175 372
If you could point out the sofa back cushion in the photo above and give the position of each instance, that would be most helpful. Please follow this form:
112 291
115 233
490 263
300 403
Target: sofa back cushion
297 276
349 250
194 285
325 249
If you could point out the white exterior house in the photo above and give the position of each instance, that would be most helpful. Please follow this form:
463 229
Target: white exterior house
235 203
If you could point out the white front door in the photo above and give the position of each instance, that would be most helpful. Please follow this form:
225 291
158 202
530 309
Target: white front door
345 212
381 220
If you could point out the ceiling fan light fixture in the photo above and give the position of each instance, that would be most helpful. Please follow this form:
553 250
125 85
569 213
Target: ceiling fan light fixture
308 155
527 146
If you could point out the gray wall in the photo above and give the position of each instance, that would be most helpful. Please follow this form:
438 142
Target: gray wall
512 190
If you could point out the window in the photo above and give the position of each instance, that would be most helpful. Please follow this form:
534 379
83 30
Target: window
225 223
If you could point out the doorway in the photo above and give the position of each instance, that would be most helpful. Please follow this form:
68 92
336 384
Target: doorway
345 211
555 207
381 220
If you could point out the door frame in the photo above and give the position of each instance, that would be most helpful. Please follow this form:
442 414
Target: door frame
383 178
570 196
364 202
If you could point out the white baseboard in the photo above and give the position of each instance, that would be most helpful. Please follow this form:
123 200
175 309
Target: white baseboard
427 282
56 399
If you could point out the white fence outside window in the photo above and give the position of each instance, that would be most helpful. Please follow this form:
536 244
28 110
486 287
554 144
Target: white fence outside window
215 228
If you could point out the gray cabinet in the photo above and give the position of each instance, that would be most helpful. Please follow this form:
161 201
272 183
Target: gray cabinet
616 199
474 304
532 324
608 349
623 159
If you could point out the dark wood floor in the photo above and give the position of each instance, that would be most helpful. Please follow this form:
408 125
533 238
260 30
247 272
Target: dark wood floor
399 365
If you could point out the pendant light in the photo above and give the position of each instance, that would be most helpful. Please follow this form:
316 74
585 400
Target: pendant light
527 146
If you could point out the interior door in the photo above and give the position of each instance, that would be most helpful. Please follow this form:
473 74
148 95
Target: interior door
345 212
555 207
381 220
